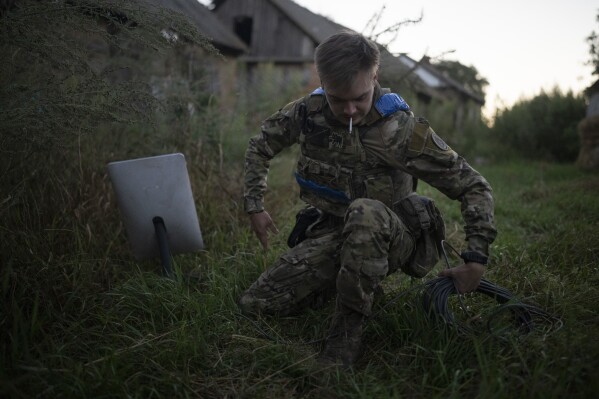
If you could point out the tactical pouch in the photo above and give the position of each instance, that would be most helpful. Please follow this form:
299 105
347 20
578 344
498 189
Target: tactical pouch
303 220
311 222
425 222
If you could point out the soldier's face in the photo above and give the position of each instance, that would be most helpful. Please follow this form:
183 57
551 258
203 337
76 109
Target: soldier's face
354 101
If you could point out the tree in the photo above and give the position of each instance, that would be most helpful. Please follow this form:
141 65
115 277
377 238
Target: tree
386 35
593 41
543 127
468 76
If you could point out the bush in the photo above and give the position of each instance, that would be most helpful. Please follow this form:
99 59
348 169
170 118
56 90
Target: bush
541 128
55 86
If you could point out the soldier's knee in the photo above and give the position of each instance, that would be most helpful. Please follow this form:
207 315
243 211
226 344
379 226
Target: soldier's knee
366 213
250 305
361 204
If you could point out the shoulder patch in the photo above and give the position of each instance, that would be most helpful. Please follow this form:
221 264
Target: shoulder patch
424 141
318 92
439 142
391 103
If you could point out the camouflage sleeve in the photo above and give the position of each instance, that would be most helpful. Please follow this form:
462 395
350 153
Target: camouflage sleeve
278 131
429 158
416 149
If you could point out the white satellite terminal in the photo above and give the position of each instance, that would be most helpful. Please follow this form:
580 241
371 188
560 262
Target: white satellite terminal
156 203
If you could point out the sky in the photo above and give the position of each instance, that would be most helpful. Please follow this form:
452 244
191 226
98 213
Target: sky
520 46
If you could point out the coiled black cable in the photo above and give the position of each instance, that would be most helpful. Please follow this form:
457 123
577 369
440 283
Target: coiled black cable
436 294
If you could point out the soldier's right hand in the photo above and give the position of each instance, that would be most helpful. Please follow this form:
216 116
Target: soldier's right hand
261 224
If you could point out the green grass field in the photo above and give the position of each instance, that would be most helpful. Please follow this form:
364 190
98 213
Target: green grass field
81 318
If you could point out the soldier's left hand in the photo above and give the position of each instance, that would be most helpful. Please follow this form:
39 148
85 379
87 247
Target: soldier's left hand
467 276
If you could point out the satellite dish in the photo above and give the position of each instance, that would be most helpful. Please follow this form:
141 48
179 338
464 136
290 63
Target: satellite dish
156 203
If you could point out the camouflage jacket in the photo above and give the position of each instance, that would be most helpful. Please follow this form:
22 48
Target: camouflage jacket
389 139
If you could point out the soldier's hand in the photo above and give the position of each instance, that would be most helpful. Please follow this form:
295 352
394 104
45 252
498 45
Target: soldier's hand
261 224
467 276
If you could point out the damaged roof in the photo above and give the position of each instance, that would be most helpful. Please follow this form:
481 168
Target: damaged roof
206 22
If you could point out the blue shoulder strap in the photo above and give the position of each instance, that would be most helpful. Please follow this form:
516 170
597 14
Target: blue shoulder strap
318 92
391 103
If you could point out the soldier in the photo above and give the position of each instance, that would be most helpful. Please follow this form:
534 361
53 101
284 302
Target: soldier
361 151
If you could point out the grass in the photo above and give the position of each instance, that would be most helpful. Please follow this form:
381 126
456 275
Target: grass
81 318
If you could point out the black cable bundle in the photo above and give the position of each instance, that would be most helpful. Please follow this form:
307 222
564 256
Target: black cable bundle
435 300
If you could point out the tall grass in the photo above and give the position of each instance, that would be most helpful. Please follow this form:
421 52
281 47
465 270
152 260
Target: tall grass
80 318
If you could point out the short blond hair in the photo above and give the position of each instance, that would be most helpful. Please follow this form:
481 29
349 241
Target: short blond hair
341 56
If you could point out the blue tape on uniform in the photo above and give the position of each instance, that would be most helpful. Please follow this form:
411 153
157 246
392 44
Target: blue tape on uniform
391 103
323 191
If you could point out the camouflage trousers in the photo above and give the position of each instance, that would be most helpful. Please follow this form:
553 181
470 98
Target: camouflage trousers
349 259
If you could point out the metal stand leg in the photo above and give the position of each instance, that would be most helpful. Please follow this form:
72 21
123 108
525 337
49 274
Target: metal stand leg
165 254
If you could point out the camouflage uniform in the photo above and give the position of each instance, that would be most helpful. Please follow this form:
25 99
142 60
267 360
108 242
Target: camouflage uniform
355 179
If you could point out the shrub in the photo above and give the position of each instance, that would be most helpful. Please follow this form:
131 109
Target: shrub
541 128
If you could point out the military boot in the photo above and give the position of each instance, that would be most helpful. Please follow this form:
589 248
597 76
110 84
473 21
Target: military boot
343 345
